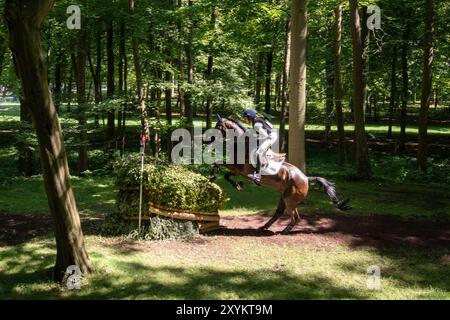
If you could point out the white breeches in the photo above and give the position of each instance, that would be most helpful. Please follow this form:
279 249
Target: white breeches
265 146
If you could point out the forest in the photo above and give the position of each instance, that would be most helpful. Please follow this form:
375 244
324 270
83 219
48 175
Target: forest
359 91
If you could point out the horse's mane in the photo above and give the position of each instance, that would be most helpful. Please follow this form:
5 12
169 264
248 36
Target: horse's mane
238 123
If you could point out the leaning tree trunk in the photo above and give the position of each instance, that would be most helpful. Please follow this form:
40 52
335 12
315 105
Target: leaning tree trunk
362 163
338 85
426 86
297 106
24 19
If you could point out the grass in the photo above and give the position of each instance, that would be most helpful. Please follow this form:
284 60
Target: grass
231 268
245 268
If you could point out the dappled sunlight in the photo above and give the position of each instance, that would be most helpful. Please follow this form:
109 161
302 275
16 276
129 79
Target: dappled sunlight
235 269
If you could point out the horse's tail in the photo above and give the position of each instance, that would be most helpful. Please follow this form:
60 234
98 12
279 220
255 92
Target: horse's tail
330 189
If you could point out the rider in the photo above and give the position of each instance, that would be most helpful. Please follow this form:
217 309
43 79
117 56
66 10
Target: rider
265 131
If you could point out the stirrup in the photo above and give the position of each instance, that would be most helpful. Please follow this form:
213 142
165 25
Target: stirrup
256 178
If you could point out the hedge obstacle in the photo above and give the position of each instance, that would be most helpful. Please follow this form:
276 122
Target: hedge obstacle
174 197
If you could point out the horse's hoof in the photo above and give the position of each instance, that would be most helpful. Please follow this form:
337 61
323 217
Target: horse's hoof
239 186
286 231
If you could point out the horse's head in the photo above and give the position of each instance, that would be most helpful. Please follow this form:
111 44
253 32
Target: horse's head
224 124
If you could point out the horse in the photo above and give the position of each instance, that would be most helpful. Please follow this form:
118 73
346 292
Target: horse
292 183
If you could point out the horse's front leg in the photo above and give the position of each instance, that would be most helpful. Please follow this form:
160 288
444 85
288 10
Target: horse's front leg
237 185
212 174
278 213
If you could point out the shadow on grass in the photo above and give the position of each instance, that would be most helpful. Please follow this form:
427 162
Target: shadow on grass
356 231
25 274
27 278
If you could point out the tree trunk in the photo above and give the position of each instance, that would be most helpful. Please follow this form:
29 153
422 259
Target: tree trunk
393 96
80 75
58 82
362 163
122 53
2 52
96 73
405 88
259 75
338 85
26 165
190 69
329 97
209 70
110 86
269 63
168 91
277 91
136 56
285 89
168 77
426 86
24 22
297 109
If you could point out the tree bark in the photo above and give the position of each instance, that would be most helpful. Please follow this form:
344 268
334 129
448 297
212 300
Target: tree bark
426 86
297 109
285 89
362 163
259 76
329 97
393 96
58 82
338 85
190 69
80 75
26 165
209 70
24 20
136 56
269 63
110 86
277 102
2 52
405 88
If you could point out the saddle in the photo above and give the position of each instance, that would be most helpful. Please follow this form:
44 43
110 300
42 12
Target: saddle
278 155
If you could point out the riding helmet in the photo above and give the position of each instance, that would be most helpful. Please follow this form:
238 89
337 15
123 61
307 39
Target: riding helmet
250 113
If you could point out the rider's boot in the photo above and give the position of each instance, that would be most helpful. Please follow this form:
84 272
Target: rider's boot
256 176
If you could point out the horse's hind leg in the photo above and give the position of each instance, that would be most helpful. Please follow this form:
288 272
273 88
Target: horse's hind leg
280 210
291 203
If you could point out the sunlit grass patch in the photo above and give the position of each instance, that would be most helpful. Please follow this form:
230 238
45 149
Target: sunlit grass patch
244 268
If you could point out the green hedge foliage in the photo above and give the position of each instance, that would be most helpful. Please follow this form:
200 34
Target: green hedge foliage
166 185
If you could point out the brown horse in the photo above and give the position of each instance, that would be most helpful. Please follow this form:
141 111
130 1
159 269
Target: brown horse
292 183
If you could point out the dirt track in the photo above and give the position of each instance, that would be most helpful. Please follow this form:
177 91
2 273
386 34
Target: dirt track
354 231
